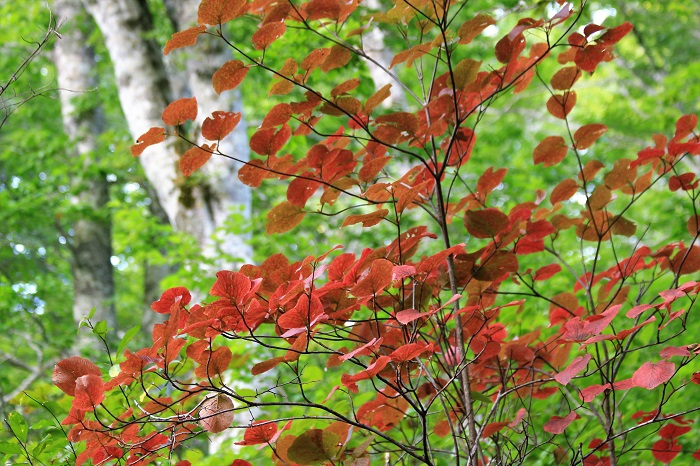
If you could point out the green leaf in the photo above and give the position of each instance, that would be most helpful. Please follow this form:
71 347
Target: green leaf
314 446
128 336
100 328
478 396
18 425
10 448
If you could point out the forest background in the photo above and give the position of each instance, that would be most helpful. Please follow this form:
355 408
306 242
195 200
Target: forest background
63 195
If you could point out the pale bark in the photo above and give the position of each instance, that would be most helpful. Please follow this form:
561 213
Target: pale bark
144 91
91 244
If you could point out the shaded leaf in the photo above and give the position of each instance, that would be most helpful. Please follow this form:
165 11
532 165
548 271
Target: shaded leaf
315 446
195 158
216 414
560 105
283 217
485 223
472 28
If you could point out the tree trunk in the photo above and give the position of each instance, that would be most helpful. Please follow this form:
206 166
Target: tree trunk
144 91
93 281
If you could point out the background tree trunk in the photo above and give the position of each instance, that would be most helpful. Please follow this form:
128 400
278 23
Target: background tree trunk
93 281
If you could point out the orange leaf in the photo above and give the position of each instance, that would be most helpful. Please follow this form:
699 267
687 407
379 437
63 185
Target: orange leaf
560 105
216 414
377 98
219 125
183 38
180 111
472 28
339 57
68 370
269 141
267 34
252 173
550 151
195 158
586 135
277 116
151 137
215 12
229 76
283 217
367 220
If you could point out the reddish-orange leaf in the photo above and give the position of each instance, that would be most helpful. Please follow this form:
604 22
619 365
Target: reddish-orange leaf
68 370
492 428
410 55
229 76
685 126
180 111
378 278
408 352
283 217
216 414
252 173
613 35
262 367
277 116
486 223
267 34
218 362
686 260
576 366
219 125
560 105
216 12
232 285
557 424
586 135
550 151
508 49
693 225
650 375
301 189
89 392
183 38
345 87
152 136
178 296
319 9
262 432
269 141
367 220
490 180
472 28
565 78
195 158
589 393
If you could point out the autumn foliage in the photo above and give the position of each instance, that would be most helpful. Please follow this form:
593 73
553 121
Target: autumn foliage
423 359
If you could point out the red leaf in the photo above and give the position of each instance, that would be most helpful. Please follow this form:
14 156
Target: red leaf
215 12
550 151
587 394
216 363
637 310
219 125
283 217
183 38
613 35
665 451
546 272
492 428
151 137
216 414
560 105
585 136
180 111
650 375
408 352
350 381
671 351
486 223
576 366
253 173
490 180
259 434
557 424
378 278
269 141
695 378
240 463
267 34
89 392
671 431
195 158
565 78
68 370
232 285
229 76
367 220
178 296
